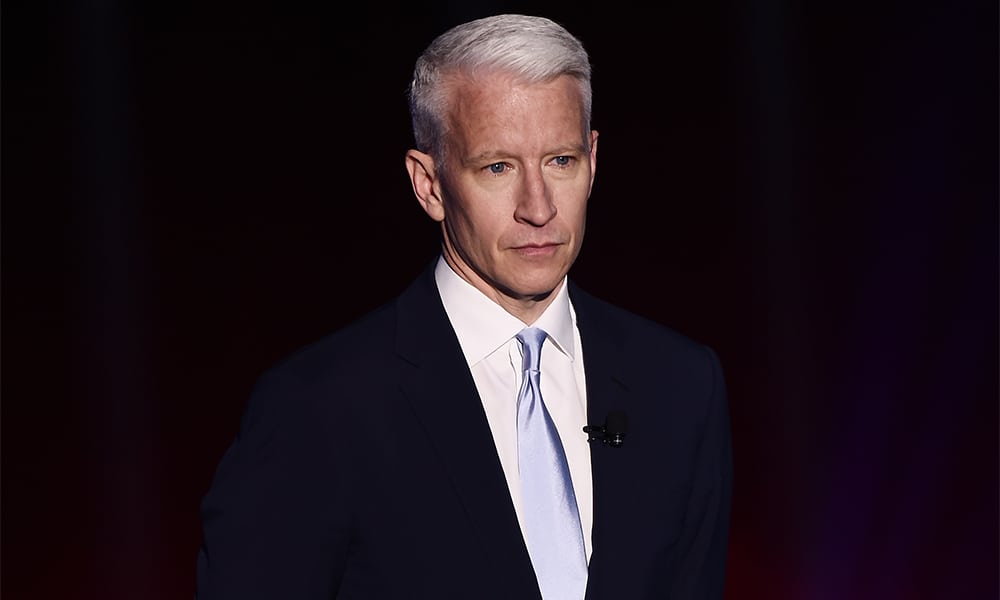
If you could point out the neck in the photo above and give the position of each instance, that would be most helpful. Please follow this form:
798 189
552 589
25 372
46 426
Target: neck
527 309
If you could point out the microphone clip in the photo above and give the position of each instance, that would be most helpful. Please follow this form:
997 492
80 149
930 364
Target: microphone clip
612 433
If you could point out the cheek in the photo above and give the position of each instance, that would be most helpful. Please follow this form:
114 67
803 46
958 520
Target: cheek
485 217
575 214
477 231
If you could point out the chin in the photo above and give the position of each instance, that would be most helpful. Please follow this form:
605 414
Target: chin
537 287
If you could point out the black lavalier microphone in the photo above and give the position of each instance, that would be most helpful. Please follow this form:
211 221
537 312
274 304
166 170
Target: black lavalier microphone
612 433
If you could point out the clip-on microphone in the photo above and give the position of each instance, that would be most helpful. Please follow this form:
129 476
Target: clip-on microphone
612 433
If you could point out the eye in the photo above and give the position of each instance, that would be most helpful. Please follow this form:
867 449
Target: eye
497 168
562 161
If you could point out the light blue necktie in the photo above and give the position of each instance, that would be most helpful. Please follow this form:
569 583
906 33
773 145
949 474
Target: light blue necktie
551 517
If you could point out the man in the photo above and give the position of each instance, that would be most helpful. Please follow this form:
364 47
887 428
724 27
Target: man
436 447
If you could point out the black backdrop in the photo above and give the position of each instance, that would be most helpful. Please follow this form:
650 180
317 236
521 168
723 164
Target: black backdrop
192 191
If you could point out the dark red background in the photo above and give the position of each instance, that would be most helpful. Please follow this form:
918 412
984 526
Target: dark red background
192 191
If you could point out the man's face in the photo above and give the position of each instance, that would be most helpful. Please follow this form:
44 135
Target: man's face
515 187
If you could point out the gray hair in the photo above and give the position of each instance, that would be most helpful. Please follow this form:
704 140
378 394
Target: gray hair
533 49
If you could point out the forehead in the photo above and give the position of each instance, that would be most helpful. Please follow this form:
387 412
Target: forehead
500 109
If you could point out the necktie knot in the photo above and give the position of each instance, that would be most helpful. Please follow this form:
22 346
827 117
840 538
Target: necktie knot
531 340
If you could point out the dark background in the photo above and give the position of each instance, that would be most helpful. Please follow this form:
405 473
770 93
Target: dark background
191 191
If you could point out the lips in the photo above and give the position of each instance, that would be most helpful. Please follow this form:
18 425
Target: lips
541 244
542 249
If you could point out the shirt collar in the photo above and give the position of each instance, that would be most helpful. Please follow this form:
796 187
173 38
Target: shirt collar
483 326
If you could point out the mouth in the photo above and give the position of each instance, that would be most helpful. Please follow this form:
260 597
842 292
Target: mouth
538 250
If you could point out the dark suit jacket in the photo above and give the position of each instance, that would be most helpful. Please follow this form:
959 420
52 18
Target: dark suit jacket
365 468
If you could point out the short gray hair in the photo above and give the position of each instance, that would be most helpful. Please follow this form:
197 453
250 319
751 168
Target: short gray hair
533 49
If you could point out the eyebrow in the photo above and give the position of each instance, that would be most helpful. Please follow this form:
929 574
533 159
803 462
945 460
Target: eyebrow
488 156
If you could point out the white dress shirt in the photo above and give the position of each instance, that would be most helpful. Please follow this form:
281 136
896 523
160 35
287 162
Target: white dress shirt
487 333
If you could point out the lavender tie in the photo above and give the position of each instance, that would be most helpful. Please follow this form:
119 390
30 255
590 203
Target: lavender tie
551 518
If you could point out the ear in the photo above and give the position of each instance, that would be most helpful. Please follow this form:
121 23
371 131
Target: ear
593 156
423 178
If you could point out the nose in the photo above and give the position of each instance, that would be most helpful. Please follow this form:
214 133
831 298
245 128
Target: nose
535 204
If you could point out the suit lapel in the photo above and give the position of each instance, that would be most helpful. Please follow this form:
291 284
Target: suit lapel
439 386
607 390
